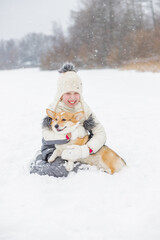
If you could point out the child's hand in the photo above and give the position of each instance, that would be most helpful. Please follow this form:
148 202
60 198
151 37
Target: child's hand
75 152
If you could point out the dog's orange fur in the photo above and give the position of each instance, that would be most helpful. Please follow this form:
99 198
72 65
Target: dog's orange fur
111 159
108 156
81 141
105 158
62 117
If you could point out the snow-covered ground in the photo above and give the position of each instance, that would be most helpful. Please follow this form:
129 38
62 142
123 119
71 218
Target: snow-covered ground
91 204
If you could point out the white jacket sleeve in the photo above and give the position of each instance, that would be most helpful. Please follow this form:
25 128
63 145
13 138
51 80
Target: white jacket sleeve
99 134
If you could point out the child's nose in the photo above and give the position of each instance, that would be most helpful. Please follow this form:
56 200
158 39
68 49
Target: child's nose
72 98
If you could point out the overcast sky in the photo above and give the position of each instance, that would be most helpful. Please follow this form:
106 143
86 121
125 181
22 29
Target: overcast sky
19 17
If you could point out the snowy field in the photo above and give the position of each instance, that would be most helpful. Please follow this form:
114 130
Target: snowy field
89 205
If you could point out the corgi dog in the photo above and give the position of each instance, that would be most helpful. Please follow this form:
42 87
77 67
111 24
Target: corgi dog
63 125
66 122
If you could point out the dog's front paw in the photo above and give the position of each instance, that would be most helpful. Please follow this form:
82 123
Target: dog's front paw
54 155
51 159
70 165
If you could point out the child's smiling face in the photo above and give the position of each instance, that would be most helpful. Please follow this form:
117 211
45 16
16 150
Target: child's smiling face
71 99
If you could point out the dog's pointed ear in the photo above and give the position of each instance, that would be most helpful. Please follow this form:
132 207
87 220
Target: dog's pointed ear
79 115
50 113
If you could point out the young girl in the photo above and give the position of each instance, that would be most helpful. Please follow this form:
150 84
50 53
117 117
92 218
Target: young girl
68 98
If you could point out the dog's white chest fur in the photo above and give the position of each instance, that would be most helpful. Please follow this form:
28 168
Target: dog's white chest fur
80 132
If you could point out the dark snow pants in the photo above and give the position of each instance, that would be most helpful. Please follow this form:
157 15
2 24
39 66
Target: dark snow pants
55 169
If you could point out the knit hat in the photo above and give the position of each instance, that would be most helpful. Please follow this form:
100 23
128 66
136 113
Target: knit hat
68 81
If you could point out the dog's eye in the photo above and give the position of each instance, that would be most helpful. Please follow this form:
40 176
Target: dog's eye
56 119
63 119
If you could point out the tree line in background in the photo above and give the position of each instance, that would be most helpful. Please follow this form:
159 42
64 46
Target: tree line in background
102 33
